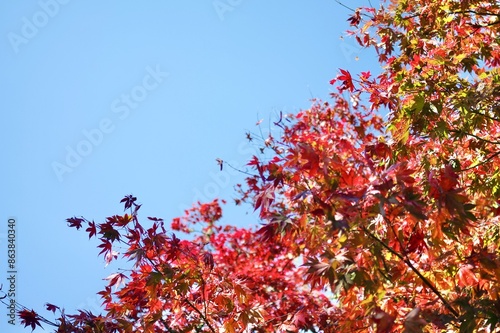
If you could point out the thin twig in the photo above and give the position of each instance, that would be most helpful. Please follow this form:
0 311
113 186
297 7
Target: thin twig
340 3
241 171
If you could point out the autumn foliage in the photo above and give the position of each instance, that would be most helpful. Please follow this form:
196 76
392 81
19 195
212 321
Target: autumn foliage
368 225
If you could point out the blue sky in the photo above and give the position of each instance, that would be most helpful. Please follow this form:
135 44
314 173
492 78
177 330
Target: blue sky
104 99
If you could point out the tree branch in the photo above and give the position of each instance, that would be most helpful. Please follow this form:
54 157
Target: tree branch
481 163
484 115
475 136
470 11
416 271
167 327
200 314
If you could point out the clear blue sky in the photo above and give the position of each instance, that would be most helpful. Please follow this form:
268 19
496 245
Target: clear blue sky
104 99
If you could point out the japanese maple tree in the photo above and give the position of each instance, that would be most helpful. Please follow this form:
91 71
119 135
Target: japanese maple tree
368 225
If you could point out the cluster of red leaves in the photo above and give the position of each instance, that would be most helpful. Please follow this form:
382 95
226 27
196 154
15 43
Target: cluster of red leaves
391 221
388 233
222 279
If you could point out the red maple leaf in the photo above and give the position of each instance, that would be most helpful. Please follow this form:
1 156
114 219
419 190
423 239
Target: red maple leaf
51 307
355 19
91 229
346 79
129 200
29 318
116 279
75 222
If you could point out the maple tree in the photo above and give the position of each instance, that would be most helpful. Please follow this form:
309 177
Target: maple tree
369 225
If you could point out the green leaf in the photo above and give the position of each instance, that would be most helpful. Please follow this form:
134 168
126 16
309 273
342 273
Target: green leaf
154 278
418 103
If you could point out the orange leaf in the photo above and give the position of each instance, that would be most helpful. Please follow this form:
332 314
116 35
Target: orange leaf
466 277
